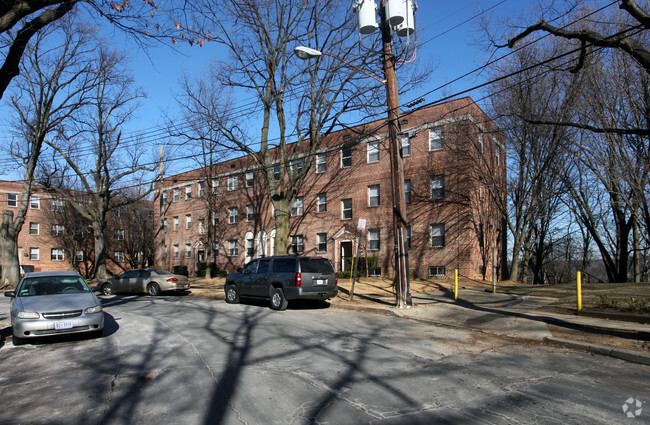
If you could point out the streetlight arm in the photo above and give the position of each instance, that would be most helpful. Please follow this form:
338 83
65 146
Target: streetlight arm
308 53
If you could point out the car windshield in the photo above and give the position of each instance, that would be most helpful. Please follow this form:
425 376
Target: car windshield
52 285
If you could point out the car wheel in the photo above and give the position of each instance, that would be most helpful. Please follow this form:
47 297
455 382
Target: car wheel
18 341
107 289
153 289
232 295
278 301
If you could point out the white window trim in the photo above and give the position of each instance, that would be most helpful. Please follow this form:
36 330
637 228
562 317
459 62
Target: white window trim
372 148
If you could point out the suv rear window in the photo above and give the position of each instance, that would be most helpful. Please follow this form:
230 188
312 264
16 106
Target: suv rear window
315 265
284 265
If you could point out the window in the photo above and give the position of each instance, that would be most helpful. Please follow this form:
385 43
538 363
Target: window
79 256
188 250
118 256
373 195
58 230
188 221
437 239
298 206
57 205
202 226
12 200
322 242
35 203
346 157
233 215
34 228
322 202
276 172
201 189
188 192
250 247
407 190
215 250
175 223
373 240
176 195
164 197
118 212
233 182
164 255
406 144
119 234
176 252
164 224
233 248
297 165
437 271
56 254
408 237
250 216
297 244
215 185
321 163
346 209
436 138
373 152
249 179
34 254
215 218
437 187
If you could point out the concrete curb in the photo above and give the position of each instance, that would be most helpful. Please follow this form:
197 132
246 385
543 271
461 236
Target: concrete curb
628 355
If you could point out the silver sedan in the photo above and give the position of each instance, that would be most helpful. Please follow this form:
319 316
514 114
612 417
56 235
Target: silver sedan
151 281
53 303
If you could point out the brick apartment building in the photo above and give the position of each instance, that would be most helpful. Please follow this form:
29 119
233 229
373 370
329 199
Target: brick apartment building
55 237
452 154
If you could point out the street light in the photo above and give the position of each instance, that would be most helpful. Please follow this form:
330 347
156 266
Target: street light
304 52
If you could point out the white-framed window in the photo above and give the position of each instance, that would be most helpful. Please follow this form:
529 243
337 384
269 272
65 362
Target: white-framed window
250 216
188 192
34 228
119 234
250 178
118 256
437 236
164 197
164 254
175 194
437 187
34 254
298 206
373 152
35 203
215 218
233 215
56 254
407 190
201 226
201 189
12 199
321 163
176 223
437 271
215 250
346 157
233 182
373 195
322 242
118 212
58 230
164 224
346 209
276 172
406 144
297 244
322 202
188 250
215 185
176 251
297 165
233 248
188 221
57 205
250 247
374 242
436 138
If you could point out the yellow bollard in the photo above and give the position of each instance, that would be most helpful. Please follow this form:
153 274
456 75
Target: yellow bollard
456 284
579 289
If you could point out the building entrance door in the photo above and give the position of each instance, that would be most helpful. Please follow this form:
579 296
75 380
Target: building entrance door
346 252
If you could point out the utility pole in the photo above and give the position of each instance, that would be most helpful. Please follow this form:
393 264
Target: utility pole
402 286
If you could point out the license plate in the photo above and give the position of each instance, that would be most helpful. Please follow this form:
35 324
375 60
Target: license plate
319 282
63 325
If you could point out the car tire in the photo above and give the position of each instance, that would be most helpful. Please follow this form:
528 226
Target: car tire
232 294
278 300
107 289
153 289
17 341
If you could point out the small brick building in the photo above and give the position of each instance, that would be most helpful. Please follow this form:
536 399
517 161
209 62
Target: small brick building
453 158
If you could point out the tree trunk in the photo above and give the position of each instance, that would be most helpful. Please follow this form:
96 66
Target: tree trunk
100 252
9 251
514 268
282 216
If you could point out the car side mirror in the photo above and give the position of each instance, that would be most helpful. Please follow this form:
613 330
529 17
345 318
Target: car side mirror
10 294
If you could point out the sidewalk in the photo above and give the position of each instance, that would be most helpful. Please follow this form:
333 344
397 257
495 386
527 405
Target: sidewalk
502 314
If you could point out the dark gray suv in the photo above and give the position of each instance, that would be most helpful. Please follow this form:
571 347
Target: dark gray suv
283 278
